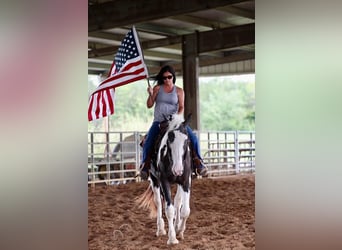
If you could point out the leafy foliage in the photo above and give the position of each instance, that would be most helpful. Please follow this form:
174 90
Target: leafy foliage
225 104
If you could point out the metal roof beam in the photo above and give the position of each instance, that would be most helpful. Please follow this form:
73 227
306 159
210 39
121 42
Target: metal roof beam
212 24
238 11
154 66
227 59
226 38
110 50
127 12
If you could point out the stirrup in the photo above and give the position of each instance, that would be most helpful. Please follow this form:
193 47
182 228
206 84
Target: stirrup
202 172
144 175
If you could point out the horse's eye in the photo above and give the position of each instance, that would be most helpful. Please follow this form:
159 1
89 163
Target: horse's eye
171 136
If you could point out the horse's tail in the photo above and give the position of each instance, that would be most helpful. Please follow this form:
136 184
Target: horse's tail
146 201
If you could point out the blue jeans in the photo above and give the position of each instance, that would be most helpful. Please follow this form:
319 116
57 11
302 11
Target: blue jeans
150 139
194 142
152 136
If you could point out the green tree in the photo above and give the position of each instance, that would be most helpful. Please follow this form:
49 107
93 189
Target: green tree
225 104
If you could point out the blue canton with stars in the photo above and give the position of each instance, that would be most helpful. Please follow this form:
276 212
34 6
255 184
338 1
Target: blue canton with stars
127 50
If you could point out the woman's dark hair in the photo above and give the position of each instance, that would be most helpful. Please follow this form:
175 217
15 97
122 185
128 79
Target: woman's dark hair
166 68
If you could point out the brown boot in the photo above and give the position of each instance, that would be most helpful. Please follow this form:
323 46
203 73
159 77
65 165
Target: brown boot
144 172
201 169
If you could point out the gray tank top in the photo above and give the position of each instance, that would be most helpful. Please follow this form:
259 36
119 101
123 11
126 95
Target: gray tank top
166 104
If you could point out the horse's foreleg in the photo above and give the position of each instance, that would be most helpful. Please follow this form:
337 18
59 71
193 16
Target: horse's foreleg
170 215
185 211
178 204
160 221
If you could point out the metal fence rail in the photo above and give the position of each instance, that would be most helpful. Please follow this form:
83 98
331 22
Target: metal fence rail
226 152
114 157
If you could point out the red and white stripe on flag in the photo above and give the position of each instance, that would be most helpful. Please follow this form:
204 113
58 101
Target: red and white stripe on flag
101 104
128 66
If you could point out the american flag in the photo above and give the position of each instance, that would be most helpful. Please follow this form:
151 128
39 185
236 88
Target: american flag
128 66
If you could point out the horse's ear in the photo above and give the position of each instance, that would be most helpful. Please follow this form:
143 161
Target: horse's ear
187 120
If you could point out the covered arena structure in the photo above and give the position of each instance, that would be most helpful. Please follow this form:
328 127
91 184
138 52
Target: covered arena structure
198 38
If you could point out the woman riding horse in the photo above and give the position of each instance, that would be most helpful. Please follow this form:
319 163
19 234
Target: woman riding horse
169 100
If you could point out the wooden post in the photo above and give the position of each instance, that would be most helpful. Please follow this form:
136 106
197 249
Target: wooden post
190 78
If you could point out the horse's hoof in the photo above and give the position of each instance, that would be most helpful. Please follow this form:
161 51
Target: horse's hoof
174 241
161 232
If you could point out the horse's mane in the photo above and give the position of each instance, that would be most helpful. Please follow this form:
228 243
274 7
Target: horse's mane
175 121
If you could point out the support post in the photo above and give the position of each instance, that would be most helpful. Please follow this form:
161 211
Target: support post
190 78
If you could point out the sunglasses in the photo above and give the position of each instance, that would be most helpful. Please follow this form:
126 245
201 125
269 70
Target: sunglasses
167 77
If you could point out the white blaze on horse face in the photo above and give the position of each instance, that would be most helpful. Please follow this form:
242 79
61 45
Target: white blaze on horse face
177 152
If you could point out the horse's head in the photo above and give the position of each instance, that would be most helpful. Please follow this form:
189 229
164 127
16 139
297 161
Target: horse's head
175 145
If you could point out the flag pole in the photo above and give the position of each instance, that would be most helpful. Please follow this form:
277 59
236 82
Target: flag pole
142 54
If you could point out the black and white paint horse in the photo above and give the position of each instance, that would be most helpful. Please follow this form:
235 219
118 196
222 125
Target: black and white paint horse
173 165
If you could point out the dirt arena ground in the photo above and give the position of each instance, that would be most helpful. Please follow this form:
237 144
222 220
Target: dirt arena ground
222 216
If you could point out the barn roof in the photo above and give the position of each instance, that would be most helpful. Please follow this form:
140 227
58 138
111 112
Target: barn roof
224 32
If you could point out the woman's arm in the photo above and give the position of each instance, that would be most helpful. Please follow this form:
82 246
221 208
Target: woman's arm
152 95
180 94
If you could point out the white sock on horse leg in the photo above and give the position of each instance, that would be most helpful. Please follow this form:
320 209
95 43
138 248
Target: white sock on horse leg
170 214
